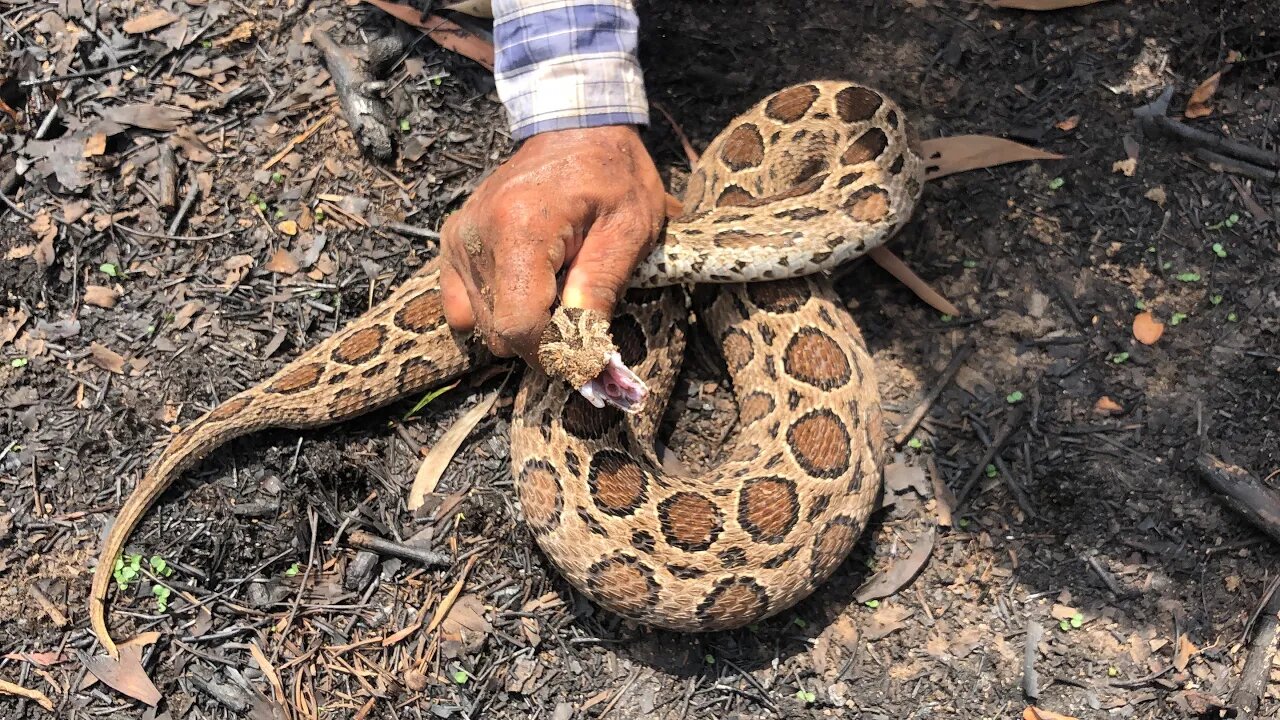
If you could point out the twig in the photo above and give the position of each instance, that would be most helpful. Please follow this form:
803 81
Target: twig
1030 678
1239 490
193 191
411 230
909 426
427 558
188 238
1262 657
289 146
82 74
167 178
1013 422
1210 141
1239 167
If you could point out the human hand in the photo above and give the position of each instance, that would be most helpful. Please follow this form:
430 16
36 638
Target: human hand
588 199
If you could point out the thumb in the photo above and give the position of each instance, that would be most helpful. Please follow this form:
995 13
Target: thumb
601 271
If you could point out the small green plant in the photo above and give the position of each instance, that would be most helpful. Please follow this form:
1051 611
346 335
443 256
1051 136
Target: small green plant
126 570
1229 223
1120 357
1113 671
437 81
1014 397
426 400
873 604
1139 304
915 443
1215 299
709 659
109 269
319 215
18 362
277 177
947 318
1232 317
460 677
206 44
253 198
801 623
992 471
1056 183
292 570
162 597
404 125
806 696
1219 250
1188 277
1075 621
159 567
1177 318
963 523
971 264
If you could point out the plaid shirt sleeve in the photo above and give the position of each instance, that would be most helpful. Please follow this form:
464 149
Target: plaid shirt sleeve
568 64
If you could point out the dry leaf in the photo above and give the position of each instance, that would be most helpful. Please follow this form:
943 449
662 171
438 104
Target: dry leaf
147 22
282 262
1146 328
1198 104
106 358
442 452
899 573
960 153
1107 406
1185 651
288 227
126 674
243 31
899 270
466 617
1040 5
1127 166
1157 195
8 688
887 620
100 296
1034 713
96 145
147 116
474 8
1062 612
446 34
39 659
1069 124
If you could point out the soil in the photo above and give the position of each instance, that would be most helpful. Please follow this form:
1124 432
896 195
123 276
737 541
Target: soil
1090 524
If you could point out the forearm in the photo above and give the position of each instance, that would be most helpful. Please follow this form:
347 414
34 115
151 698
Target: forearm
568 64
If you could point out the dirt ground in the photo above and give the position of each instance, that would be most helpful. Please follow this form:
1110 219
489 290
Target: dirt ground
1090 525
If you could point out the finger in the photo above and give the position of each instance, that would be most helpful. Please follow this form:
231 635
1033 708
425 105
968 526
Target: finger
457 306
602 269
525 290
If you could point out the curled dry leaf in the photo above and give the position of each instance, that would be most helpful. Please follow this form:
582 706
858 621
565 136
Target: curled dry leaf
1069 124
901 572
243 31
1186 650
288 227
474 8
885 258
126 675
1198 105
445 33
959 153
8 688
1062 612
99 296
1146 328
1157 195
1128 166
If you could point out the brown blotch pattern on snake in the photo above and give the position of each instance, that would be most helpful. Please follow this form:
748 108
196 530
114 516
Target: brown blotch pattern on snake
731 600
425 312
754 407
630 339
738 349
689 521
625 582
540 496
780 296
820 443
360 345
831 545
791 104
867 147
857 104
228 409
868 204
585 420
734 195
297 379
743 148
619 486
814 357
768 508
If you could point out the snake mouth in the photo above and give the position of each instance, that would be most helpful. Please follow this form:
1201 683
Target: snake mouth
616 385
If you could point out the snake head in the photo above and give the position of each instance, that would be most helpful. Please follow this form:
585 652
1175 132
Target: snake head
616 385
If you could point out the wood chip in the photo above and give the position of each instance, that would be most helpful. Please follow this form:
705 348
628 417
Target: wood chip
99 296
106 358
149 21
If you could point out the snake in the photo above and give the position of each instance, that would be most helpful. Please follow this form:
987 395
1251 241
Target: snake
808 178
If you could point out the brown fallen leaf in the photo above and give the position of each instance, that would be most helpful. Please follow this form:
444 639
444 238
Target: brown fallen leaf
96 145
243 31
1127 166
1034 713
40 659
282 262
106 358
1039 5
1157 195
899 573
474 8
1107 406
899 270
148 21
288 227
1198 105
1146 328
148 116
1186 649
126 675
1062 612
437 459
887 620
445 33
1069 124
8 688
99 296
960 153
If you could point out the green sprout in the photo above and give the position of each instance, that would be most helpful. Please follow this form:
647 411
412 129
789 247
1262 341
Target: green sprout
1120 357
1056 183
806 696
1215 299
426 400
1113 671
277 177
946 318
109 269
1177 318
800 623
873 604
18 362
992 471
162 597
1232 317
460 677
127 568
1139 304
319 214
915 443
404 125
1188 277
971 264
1229 223
709 659
159 566
963 523
1219 250
253 198
206 44
1014 397
292 570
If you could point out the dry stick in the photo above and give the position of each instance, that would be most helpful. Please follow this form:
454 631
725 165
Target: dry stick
1239 490
1011 423
167 178
1262 657
352 74
427 558
1239 167
1006 475
1215 143
193 191
1030 678
922 409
